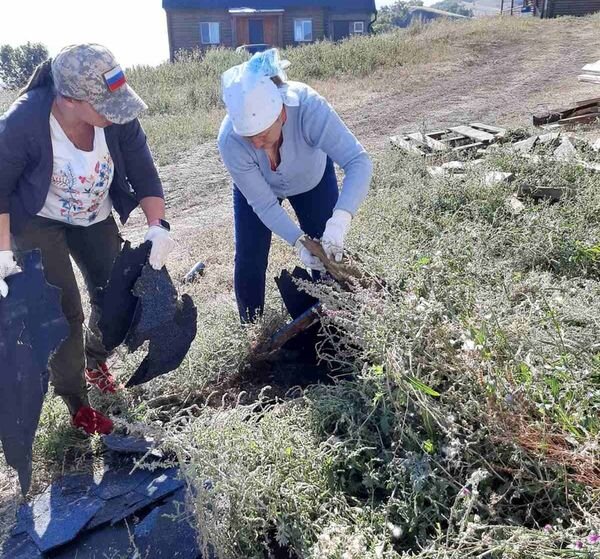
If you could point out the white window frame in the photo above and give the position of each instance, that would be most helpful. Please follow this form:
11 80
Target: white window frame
303 22
358 27
214 28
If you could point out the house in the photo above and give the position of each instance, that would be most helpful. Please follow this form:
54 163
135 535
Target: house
555 8
203 24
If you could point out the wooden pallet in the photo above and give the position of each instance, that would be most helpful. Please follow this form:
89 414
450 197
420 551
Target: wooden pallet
470 137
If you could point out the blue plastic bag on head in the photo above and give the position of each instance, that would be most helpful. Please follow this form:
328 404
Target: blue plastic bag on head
269 64
245 76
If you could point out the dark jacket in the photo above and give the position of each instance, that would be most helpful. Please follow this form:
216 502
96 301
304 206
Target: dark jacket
26 160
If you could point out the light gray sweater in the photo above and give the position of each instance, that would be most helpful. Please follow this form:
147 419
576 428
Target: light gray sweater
312 132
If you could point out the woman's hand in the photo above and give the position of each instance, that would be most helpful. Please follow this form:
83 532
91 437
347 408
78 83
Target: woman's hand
8 267
162 246
307 258
334 237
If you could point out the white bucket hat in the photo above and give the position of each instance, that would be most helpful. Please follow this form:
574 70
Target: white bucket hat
252 100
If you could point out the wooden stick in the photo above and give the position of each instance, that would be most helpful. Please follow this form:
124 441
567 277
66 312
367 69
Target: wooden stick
343 273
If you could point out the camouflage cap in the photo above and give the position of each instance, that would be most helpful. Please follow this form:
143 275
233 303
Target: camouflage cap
90 72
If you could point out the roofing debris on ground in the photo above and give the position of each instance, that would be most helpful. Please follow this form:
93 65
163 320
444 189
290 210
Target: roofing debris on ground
464 139
555 145
32 325
123 512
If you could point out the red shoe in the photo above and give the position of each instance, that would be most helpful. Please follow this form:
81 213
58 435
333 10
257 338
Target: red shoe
102 379
92 421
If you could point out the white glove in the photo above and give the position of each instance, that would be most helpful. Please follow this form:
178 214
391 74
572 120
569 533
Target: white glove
162 246
8 267
336 229
310 261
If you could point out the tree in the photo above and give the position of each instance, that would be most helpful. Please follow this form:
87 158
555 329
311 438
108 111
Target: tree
18 63
455 7
395 15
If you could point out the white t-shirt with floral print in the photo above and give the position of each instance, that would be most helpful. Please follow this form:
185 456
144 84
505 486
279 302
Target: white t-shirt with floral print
80 182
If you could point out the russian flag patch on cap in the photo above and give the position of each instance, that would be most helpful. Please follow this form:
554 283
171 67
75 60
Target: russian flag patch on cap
115 78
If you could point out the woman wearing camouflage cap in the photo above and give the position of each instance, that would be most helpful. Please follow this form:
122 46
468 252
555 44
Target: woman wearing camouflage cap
71 151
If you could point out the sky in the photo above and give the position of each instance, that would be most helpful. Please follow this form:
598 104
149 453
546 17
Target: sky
135 30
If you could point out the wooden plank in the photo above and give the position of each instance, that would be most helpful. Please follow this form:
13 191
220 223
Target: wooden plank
593 68
487 128
585 111
587 102
454 138
590 78
437 134
470 146
557 114
418 138
428 142
478 135
291 330
435 145
583 119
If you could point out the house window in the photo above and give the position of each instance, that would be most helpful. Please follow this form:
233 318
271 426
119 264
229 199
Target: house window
303 30
210 33
359 27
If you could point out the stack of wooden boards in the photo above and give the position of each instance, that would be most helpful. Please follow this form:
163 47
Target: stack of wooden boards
581 112
591 73
473 137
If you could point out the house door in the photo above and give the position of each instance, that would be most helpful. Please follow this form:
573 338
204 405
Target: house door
256 31
341 30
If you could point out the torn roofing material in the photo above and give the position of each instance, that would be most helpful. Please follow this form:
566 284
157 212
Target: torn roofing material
117 301
296 301
168 323
69 511
32 326
140 304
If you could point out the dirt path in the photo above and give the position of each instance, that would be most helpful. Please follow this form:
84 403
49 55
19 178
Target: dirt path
501 84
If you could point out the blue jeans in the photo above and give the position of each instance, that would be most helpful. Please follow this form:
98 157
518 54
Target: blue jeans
253 239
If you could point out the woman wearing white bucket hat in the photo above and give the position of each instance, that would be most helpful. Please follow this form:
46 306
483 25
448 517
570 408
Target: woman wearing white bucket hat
279 141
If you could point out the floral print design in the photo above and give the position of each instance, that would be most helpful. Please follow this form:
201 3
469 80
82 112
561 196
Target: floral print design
81 197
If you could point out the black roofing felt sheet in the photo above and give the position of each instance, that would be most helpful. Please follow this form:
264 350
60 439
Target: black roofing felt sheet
166 532
296 301
63 515
32 326
168 323
117 301
140 304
